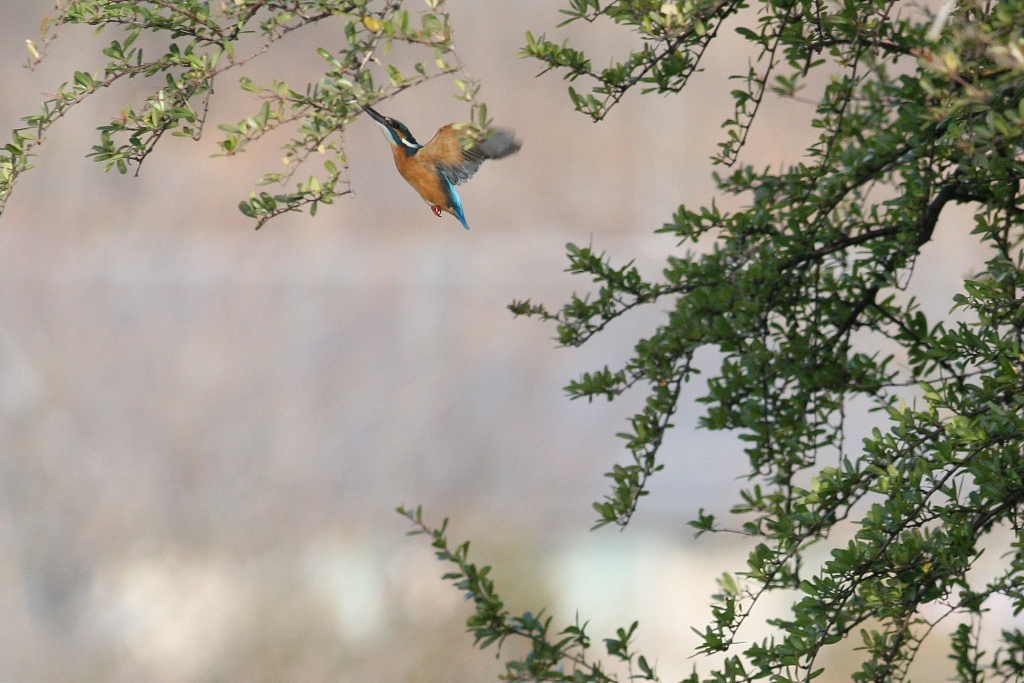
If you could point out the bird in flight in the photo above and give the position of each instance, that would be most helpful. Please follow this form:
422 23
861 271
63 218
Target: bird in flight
450 158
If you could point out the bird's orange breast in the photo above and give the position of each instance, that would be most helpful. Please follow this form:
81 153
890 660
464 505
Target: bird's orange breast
423 176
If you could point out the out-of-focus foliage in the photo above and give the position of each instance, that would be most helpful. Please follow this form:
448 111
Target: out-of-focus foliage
550 652
207 42
797 293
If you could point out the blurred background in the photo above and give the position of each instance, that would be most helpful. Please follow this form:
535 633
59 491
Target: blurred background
205 430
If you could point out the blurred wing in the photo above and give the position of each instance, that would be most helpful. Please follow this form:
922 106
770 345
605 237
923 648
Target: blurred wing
458 165
463 171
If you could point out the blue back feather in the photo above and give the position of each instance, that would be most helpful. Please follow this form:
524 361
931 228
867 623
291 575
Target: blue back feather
455 201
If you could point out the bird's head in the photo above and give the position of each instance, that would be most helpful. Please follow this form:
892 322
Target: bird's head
395 131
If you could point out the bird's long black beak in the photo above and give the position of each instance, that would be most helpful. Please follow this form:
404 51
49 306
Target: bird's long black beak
375 116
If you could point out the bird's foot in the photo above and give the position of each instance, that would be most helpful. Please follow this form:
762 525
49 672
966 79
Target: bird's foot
436 208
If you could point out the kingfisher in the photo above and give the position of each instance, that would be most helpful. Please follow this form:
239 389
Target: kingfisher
450 158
